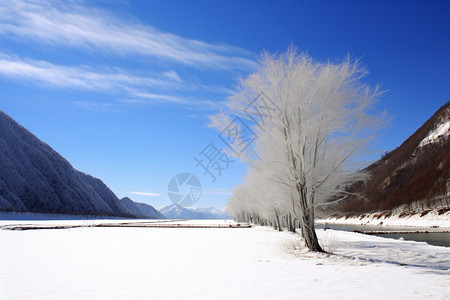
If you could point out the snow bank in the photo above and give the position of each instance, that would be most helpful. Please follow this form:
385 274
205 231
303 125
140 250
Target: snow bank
430 219
252 263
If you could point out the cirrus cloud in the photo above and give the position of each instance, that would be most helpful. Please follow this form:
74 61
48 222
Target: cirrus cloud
74 25
146 194
132 63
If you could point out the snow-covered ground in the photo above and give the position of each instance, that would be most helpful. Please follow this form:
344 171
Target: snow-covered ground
198 263
430 219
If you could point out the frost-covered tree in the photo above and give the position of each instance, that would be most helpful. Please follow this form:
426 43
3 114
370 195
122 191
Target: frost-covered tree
311 121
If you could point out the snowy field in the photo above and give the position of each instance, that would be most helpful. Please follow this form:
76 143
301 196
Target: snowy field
198 263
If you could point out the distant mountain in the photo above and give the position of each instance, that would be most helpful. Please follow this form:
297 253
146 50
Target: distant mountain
35 178
413 177
141 209
212 213
175 211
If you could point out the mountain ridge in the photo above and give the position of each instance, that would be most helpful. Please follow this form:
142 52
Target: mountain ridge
36 178
413 177
174 211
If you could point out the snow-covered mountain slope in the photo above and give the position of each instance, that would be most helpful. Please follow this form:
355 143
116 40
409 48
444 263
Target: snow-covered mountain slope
414 177
175 211
35 178
141 209
442 131
214 213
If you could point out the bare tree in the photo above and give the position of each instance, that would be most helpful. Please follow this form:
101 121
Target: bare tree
313 126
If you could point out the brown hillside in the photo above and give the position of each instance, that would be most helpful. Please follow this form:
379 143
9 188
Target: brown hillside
410 174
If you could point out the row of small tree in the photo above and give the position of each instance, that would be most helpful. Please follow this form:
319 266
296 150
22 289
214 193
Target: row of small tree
310 123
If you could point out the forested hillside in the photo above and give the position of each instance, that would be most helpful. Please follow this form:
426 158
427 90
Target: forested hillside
414 177
35 178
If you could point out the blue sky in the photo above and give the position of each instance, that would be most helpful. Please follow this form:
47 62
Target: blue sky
123 89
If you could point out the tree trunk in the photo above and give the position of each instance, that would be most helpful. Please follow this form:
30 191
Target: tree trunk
306 222
309 233
291 223
278 221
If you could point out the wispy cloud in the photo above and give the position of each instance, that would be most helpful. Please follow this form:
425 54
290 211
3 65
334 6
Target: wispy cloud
79 77
144 97
146 194
99 106
172 75
73 25
149 66
151 98
131 89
